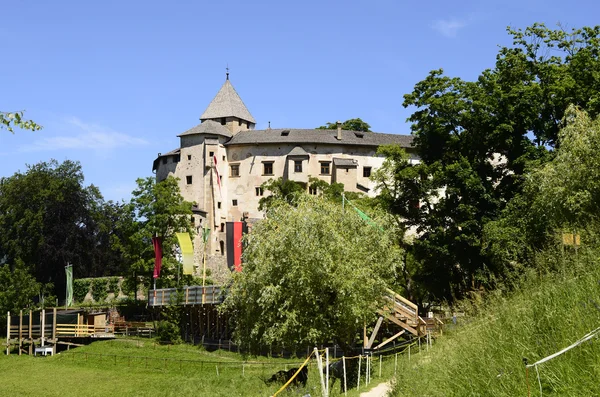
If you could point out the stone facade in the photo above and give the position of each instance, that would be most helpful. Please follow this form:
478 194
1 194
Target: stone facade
226 146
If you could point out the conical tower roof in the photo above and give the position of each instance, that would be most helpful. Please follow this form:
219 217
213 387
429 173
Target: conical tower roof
227 103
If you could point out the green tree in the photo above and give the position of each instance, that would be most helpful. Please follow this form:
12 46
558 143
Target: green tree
17 289
348 125
49 218
281 189
312 273
10 120
477 139
160 210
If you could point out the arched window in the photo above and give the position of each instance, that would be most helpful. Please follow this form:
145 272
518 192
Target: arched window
222 244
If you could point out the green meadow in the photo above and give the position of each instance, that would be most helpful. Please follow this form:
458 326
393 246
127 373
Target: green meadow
139 367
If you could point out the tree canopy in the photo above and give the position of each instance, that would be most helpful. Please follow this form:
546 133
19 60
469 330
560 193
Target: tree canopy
49 218
312 273
477 139
160 210
349 125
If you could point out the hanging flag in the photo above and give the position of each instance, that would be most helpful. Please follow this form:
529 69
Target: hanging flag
218 177
187 252
69 273
205 234
235 231
363 216
156 242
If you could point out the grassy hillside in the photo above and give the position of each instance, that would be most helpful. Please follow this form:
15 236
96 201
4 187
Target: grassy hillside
138 367
483 356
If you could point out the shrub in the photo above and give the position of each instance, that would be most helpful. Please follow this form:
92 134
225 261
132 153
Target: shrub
168 331
99 290
80 289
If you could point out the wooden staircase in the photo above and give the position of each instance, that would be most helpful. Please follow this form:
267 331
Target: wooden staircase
404 314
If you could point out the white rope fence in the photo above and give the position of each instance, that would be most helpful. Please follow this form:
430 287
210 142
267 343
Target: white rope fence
583 339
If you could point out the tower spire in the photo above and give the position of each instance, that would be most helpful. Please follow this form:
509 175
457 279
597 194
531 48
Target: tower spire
227 73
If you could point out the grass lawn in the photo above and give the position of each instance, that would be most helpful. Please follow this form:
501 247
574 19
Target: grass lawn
138 367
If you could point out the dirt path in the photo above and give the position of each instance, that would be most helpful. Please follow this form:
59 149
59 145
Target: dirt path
380 390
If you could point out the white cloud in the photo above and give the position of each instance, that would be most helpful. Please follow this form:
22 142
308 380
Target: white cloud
84 136
449 27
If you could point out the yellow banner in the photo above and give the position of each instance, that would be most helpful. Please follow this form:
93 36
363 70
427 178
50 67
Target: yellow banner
187 252
571 239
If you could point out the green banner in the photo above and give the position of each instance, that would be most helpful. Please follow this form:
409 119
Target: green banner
69 273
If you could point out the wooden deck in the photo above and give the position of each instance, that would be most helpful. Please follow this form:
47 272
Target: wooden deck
48 333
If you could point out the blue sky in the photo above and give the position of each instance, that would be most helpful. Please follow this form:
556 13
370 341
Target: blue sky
114 82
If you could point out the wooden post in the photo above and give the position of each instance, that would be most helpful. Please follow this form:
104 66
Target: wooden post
54 331
43 325
7 333
365 340
20 330
30 333
77 328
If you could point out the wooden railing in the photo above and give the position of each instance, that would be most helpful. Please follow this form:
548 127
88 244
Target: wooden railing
188 295
82 330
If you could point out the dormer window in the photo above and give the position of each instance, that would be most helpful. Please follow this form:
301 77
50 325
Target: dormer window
298 166
359 135
285 132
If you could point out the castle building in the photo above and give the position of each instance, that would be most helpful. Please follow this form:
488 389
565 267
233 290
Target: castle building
222 162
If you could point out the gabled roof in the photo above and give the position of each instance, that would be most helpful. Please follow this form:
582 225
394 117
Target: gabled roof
298 151
345 163
227 103
208 127
329 137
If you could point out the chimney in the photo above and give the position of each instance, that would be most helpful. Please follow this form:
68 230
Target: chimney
339 130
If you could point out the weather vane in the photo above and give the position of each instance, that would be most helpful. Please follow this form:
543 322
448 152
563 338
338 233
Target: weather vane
227 73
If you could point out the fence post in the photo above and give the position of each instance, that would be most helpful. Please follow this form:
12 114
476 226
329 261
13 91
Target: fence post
358 384
345 384
8 333
320 367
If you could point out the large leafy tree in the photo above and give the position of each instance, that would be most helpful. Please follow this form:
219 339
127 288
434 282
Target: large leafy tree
477 139
49 218
312 273
160 210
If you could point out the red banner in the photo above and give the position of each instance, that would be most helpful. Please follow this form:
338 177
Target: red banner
157 255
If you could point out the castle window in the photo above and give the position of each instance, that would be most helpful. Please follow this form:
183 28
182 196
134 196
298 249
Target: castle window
223 158
325 168
222 227
188 179
268 168
211 154
189 156
192 220
219 205
223 121
235 170
366 172
312 190
234 203
298 166
259 191
222 245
